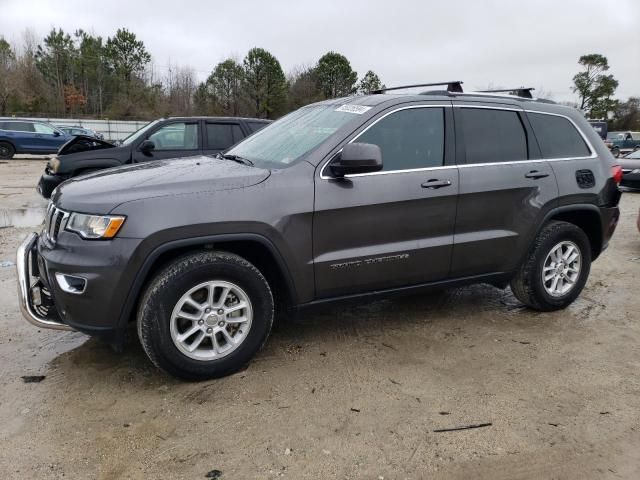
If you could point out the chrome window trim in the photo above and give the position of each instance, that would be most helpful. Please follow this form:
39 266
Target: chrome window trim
408 107
467 165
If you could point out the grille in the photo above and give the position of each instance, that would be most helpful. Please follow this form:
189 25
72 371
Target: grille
55 221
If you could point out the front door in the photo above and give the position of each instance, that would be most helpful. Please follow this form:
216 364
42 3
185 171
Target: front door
394 227
505 188
47 139
172 140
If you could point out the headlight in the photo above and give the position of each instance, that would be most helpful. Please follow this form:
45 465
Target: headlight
95 226
54 164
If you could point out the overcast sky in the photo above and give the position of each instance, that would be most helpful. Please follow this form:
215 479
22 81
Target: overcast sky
500 43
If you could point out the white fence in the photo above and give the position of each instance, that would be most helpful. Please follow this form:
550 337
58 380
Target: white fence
111 129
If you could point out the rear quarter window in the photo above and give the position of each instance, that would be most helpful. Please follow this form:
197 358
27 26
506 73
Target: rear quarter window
557 136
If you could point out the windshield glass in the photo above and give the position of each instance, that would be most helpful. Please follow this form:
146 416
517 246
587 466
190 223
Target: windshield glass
286 140
139 132
614 136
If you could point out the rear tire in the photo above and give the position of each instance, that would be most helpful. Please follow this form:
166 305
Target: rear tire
7 151
555 269
193 294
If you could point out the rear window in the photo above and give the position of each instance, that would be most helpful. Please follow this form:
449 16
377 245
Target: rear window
221 136
255 126
557 136
19 126
493 135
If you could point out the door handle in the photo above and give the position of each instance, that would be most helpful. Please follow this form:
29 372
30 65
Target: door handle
535 174
435 183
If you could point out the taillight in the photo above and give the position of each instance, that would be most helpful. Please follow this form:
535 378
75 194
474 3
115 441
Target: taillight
616 173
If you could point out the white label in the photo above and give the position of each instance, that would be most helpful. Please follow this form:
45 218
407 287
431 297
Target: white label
359 109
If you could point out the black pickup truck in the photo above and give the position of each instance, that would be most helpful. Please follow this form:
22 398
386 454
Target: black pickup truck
164 138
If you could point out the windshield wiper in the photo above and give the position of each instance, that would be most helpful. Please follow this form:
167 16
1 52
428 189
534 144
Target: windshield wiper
235 158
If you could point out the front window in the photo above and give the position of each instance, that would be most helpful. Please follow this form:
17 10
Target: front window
135 135
46 129
288 139
176 136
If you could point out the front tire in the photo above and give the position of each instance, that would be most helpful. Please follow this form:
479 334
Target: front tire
556 268
205 315
7 151
615 151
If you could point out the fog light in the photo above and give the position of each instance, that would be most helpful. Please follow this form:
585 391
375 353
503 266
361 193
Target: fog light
71 284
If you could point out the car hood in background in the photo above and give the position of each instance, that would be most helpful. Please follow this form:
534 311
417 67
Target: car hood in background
628 163
102 191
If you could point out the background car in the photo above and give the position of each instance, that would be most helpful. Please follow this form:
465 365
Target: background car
29 136
160 139
75 130
630 164
623 142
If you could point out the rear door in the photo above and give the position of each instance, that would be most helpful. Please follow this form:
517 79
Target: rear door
220 135
505 188
393 227
173 139
22 135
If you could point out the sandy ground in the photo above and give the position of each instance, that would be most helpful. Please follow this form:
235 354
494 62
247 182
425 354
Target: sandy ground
349 392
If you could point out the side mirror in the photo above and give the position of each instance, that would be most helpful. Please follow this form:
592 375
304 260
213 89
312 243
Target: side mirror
56 133
147 146
357 158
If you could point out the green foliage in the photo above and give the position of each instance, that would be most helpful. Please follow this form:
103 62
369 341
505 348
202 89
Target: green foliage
224 86
335 76
264 83
7 69
594 87
369 83
126 55
627 115
303 88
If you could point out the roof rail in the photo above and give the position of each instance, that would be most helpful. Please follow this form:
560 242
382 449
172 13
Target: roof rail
454 86
524 92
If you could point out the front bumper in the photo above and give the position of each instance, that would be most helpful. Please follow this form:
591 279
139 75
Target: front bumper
36 302
630 179
48 183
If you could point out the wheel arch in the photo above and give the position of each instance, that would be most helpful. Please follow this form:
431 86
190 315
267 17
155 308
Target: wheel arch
584 216
255 248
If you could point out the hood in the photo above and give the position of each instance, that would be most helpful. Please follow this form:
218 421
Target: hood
83 143
102 191
632 163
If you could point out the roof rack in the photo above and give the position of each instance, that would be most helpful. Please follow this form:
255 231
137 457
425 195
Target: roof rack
524 92
454 86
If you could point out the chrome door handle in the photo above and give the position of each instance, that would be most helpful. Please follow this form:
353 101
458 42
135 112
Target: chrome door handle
435 183
535 174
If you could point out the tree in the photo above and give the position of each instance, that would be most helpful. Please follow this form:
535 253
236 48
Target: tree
7 74
627 115
335 76
594 88
126 55
55 59
225 86
369 83
303 88
264 83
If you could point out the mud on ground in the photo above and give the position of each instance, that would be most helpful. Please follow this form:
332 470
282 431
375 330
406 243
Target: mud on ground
346 392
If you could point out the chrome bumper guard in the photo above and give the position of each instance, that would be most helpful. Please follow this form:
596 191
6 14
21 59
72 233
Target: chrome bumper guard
30 290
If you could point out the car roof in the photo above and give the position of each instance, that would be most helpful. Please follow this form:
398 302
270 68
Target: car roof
247 119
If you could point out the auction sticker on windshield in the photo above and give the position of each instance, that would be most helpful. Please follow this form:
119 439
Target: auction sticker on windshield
359 109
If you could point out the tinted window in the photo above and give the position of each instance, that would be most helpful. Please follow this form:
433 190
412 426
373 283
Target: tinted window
19 126
176 136
255 126
412 138
493 135
557 137
221 136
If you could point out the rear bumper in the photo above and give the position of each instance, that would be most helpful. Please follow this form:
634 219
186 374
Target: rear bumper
610 217
36 303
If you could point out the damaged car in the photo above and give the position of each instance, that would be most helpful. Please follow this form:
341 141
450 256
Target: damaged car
161 139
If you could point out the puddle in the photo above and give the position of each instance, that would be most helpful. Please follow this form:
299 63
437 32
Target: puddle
22 217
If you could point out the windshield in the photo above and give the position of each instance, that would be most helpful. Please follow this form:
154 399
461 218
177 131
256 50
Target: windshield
615 136
288 139
139 132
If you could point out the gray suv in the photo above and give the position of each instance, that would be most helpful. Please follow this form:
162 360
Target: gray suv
350 198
